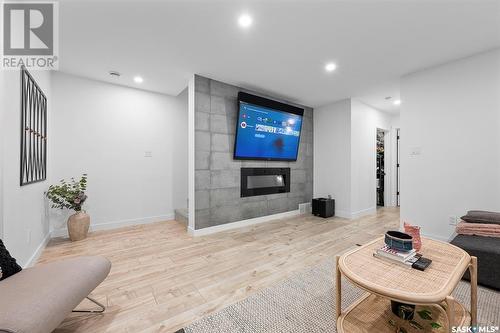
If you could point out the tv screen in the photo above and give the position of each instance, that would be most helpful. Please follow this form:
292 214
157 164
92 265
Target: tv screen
267 129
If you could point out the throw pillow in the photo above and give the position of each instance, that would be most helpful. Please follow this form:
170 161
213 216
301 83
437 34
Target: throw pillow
481 216
8 265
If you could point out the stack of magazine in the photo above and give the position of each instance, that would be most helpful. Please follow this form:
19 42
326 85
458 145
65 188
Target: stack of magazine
404 258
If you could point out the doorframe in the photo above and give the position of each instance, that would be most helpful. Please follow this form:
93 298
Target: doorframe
387 168
395 131
397 176
388 158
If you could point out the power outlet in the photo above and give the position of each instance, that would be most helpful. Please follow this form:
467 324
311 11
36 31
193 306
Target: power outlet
452 220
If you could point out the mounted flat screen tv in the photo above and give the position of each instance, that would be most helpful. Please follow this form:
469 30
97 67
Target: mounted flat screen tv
266 129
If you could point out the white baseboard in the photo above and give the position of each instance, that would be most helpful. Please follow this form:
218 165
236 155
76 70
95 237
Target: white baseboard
363 212
117 224
191 231
354 215
343 213
240 224
31 261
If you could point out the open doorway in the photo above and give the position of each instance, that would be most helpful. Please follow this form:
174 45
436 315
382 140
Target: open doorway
380 168
398 173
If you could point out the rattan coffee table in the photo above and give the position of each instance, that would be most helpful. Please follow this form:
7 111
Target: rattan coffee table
385 281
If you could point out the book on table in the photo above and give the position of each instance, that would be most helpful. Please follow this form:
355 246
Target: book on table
407 263
396 255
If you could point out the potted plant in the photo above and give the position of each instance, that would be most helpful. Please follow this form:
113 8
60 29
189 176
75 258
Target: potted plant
71 195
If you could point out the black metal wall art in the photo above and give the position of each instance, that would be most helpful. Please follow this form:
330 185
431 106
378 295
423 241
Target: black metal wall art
33 131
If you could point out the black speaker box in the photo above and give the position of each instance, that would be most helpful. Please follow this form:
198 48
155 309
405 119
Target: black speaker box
323 207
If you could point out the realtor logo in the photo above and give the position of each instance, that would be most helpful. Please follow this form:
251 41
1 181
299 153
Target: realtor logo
30 35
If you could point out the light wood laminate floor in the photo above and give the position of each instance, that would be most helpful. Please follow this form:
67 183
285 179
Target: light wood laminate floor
162 279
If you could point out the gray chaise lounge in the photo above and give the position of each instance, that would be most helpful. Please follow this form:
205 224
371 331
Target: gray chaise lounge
487 251
37 299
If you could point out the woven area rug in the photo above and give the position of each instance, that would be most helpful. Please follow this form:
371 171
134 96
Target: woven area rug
305 302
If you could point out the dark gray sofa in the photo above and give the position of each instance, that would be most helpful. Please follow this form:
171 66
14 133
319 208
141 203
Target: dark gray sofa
487 251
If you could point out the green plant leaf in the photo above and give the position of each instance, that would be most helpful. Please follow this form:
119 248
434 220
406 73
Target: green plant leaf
425 314
435 325
70 195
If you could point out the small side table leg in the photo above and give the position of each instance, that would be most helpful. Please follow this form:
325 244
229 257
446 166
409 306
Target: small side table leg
473 290
450 311
338 277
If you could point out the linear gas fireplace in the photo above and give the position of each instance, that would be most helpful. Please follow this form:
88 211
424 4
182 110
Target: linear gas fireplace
260 181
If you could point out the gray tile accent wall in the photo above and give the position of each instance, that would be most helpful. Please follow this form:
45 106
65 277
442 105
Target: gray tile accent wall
217 175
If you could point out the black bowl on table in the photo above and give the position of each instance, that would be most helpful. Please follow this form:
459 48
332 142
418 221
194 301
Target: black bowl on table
399 241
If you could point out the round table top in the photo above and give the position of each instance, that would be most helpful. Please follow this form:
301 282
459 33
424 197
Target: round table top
405 284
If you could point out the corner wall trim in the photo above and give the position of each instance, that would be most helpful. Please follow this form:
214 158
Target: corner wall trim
33 259
117 224
241 224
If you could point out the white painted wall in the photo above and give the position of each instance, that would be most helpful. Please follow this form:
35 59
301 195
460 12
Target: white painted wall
332 154
396 121
344 155
180 152
2 122
105 130
25 221
364 123
452 114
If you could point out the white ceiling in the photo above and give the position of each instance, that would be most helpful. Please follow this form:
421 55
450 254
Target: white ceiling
284 52
382 96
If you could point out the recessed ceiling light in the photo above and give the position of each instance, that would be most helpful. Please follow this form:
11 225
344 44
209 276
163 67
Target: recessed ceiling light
245 20
397 102
138 79
330 67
